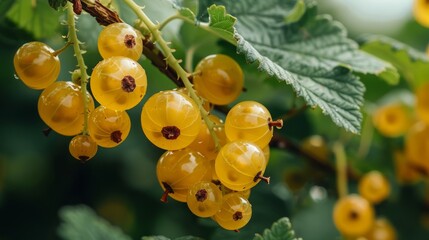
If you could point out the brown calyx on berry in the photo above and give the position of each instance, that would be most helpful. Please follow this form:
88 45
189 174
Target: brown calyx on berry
277 123
128 83
353 215
46 131
201 195
83 159
170 132
167 191
237 216
116 136
261 177
129 41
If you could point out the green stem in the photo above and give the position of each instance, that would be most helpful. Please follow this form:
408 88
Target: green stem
341 164
366 138
204 26
174 63
72 37
168 20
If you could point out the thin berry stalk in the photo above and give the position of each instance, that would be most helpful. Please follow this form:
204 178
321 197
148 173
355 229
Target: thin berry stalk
72 38
174 63
341 164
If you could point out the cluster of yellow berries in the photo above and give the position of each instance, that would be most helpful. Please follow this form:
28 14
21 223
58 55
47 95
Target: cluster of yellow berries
209 164
354 214
411 123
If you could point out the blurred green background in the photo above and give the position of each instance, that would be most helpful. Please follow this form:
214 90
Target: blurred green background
38 176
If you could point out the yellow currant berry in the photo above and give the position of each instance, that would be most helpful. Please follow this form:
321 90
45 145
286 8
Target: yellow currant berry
374 187
36 65
120 39
61 107
83 148
118 83
171 120
234 213
109 128
353 215
178 171
204 199
250 121
422 103
391 120
240 165
417 146
382 230
219 79
421 12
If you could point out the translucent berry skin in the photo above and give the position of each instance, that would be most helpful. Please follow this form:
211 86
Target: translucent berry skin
204 142
382 230
249 121
61 107
234 213
180 170
245 194
170 120
204 199
266 151
83 147
108 128
36 65
219 79
391 120
353 215
421 10
206 105
239 164
120 39
422 102
118 83
417 146
374 187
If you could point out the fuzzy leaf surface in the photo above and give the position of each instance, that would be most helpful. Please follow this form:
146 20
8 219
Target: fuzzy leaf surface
280 230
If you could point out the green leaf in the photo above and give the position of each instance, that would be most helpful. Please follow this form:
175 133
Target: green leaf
5 5
310 52
313 55
188 238
166 238
81 222
221 23
280 230
40 20
187 8
412 64
155 238
55 4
